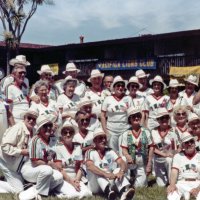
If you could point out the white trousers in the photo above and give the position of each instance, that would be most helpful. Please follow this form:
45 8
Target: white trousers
14 181
70 192
97 184
183 189
44 176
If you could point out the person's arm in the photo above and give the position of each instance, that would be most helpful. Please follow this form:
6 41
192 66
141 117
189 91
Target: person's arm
10 117
157 151
173 179
123 168
84 149
97 171
196 98
149 162
127 156
103 121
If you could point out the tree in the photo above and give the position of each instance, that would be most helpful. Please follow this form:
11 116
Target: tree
15 15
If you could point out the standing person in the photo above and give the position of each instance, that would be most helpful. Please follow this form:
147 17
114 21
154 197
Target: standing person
133 87
113 112
71 157
137 147
18 61
67 102
166 145
19 102
71 70
155 101
13 151
107 82
94 93
184 179
106 169
143 80
46 74
41 168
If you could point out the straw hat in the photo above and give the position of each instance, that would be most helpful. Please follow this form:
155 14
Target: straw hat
186 136
157 79
45 69
192 79
161 112
69 123
141 74
98 132
192 116
134 79
29 112
70 67
118 79
174 83
20 59
95 73
84 101
133 110
68 78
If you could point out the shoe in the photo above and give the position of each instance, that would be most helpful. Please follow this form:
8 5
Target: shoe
112 195
128 195
30 193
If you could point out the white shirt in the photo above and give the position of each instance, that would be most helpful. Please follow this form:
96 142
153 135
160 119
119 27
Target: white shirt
3 119
84 140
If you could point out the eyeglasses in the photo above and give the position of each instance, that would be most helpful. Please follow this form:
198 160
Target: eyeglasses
181 114
85 120
22 72
47 126
189 142
48 75
31 118
67 132
136 116
120 85
166 117
134 86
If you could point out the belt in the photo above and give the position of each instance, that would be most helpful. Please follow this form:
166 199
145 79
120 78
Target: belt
190 179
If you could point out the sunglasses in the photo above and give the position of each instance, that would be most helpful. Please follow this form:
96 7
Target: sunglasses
120 85
67 132
47 126
163 118
134 86
22 72
31 118
47 75
189 142
85 120
181 114
136 116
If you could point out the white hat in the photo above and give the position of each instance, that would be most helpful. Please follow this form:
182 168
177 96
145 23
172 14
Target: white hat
117 79
20 59
68 78
174 83
134 79
141 74
69 123
84 101
157 79
192 116
41 120
186 136
133 110
44 69
71 67
161 112
29 112
192 79
95 73
97 132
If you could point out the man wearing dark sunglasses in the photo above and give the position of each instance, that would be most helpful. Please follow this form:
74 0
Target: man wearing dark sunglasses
184 179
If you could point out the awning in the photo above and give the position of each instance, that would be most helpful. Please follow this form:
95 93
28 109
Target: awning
184 71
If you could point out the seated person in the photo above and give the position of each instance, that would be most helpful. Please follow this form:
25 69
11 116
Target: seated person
103 172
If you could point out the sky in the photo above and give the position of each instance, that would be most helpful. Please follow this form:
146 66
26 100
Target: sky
99 20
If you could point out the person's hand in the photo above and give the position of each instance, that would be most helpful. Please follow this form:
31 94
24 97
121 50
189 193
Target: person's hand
171 155
54 165
171 189
24 152
129 159
189 108
110 176
119 175
148 169
76 184
194 192
36 99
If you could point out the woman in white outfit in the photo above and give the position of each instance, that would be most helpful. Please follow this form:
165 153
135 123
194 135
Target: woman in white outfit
71 158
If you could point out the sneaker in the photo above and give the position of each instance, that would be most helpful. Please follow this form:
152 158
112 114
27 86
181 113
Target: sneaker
30 193
112 195
128 195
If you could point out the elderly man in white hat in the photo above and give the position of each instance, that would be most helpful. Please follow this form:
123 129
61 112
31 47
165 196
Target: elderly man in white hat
41 168
191 83
143 80
94 93
71 70
18 63
154 101
14 93
184 179
14 151
46 74
107 82
106 169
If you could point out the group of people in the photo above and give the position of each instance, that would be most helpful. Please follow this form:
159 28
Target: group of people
70 140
